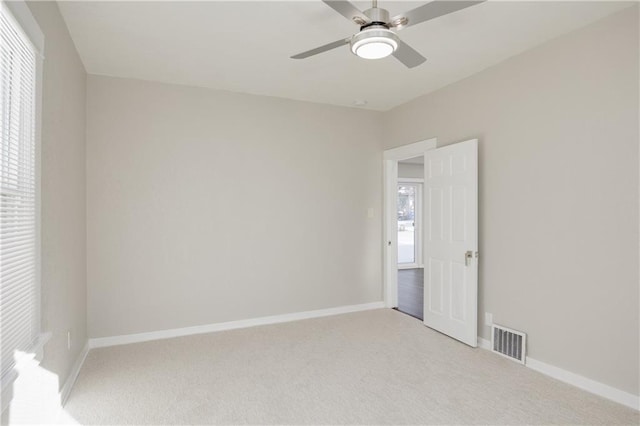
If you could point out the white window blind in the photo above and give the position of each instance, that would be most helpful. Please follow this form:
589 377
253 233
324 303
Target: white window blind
19 293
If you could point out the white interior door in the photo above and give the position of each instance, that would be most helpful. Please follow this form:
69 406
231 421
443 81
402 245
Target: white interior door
451 240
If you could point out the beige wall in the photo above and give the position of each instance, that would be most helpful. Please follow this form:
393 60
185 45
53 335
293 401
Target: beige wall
208 206
558 130
63 193
413 171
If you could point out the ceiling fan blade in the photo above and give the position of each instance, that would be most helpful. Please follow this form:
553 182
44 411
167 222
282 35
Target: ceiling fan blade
408 55
431 10
321 49
347 10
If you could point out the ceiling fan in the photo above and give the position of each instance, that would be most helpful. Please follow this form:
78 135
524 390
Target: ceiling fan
376 39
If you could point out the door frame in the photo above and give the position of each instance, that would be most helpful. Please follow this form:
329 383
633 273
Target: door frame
390 213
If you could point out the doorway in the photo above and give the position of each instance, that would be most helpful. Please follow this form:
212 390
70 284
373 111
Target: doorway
450 236
403 166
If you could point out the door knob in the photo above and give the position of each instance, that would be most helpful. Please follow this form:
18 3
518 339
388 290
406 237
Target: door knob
467 257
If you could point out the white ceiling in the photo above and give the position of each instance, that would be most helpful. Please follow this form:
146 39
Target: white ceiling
245 46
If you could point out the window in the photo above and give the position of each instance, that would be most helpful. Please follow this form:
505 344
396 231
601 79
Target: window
409 213
19 211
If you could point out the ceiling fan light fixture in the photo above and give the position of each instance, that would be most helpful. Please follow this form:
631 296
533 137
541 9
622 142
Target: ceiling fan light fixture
374 43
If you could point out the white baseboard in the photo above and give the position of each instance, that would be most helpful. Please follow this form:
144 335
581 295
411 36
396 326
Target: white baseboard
584 383
231 325
600 389
484 343
73 375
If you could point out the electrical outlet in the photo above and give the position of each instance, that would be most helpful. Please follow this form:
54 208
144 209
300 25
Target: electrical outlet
488 319
68 339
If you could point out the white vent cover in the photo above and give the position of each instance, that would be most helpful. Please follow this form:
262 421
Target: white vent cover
509 343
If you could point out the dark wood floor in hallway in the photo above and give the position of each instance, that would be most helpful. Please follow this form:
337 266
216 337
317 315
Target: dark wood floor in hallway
411 292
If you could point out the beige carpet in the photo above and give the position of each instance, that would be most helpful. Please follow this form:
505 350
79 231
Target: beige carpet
375 367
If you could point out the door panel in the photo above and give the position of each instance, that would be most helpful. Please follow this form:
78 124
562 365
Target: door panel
436 286
451 212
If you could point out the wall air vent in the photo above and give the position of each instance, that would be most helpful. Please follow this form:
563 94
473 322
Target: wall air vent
509 343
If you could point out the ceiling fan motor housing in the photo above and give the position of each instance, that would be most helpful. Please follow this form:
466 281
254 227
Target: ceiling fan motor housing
374 40
377 16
